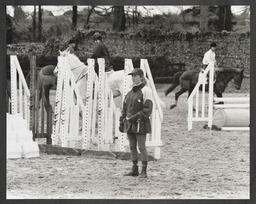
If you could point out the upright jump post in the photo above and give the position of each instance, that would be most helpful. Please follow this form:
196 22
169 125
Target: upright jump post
229 111
205 115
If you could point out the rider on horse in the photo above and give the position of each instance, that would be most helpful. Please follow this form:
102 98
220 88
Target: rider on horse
101 51
209 57
114 80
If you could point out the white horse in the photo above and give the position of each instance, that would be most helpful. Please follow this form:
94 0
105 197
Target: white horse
115 79
79 70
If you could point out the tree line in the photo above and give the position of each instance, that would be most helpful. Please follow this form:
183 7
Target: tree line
122 18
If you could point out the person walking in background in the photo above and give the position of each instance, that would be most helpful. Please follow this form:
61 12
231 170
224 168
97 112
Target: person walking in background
134 120
100 51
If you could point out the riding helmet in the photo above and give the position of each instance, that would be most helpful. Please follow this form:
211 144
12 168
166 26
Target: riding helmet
97 36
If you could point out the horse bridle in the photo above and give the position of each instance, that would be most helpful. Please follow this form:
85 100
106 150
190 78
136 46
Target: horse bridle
77 67
81 75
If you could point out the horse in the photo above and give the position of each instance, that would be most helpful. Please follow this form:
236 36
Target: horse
46 81
188 80
78 69
114 79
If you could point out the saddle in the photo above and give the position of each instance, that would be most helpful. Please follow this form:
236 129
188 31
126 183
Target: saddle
214 76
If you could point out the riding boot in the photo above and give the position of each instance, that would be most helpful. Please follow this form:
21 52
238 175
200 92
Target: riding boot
135 170
143 173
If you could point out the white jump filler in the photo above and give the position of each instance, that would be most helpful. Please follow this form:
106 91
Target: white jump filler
233 114
98 116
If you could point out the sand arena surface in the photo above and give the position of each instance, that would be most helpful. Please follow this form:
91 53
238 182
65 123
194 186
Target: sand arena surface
194 165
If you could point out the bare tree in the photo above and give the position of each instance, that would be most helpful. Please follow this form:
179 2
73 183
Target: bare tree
39 23
19 14
34 24
9 29
74 18
203 18
225 18
99 10
131 15
119 18
246 14
103 11
90 11
134 16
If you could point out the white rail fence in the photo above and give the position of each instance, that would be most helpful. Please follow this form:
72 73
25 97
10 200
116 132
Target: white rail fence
231 107
99 115
68 107
108 113
19 137
20 93
200 99
234 114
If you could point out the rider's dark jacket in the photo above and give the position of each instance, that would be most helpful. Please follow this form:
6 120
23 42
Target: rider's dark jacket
101 51
137 108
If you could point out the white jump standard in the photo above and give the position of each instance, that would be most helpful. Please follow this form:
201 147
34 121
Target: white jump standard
19 137
231 114
98 114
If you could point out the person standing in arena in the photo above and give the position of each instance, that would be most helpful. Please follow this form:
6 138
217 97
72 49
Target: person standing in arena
134 120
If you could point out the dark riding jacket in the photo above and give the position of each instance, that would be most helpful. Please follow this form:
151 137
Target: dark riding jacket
137 108
101 51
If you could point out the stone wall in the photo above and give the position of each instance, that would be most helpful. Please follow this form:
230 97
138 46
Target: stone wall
233 50
166 54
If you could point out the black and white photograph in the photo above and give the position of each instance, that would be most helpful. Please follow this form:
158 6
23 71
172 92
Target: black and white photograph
128 101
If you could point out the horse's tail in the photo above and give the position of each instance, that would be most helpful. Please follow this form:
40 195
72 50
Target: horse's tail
175 82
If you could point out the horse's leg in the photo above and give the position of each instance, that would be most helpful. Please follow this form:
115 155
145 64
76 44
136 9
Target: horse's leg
48 109
190 91
46 94
219 95
170 89
8 94
40 90
177 94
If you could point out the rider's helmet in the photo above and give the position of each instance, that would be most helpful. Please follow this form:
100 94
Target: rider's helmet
213 44
97 36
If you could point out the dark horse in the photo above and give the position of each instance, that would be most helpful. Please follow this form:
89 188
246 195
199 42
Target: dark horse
188 80
46 81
